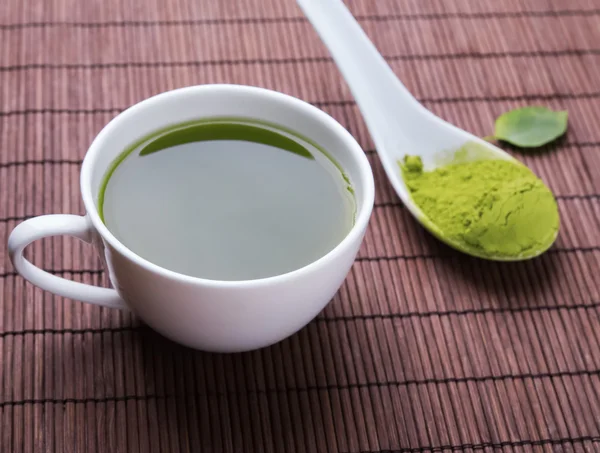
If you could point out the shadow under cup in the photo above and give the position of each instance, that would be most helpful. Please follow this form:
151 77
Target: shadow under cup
213 315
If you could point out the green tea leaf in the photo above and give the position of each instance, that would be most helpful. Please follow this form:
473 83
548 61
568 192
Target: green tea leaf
530 127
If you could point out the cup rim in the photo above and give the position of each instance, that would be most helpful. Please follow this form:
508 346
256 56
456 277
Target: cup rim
365 174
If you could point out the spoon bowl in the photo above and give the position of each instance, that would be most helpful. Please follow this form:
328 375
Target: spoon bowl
397 122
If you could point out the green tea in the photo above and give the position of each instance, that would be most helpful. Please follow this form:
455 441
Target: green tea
227 199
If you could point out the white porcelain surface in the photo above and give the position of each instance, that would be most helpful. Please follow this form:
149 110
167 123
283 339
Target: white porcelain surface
398 123
205 314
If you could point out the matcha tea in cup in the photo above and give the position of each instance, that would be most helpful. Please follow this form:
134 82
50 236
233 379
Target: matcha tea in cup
227 216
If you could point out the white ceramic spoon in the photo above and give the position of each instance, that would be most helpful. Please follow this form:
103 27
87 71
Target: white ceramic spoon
398 123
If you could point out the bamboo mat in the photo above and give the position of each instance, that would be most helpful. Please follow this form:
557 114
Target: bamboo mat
422 350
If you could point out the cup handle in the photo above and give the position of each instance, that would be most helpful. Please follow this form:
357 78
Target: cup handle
53 225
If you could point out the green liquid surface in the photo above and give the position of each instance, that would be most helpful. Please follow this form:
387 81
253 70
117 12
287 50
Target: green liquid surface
227 199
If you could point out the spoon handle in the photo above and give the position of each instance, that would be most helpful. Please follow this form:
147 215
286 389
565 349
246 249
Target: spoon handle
387 106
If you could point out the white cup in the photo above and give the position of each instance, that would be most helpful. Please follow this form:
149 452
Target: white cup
211 315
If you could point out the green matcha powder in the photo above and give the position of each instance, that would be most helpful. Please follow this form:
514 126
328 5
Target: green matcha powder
494 208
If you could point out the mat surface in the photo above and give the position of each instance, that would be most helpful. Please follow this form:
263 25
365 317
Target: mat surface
421 350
